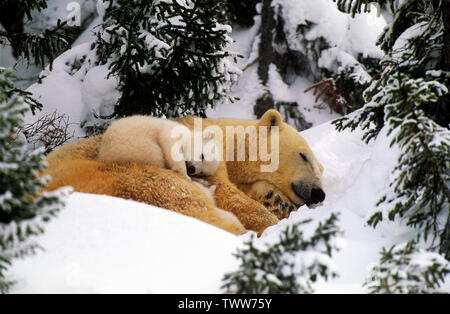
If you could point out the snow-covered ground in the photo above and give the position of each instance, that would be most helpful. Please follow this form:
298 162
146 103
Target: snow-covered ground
101 244
104 244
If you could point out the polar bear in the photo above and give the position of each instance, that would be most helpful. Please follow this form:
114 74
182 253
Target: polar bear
258 199
158 142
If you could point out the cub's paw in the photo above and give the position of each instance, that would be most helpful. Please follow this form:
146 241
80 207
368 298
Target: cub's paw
272 198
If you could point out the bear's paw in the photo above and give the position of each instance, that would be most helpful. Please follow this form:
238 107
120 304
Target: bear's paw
272 198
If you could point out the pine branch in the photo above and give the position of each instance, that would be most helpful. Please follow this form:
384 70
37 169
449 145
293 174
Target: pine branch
26 5
354 7
406 268
280 267
41 47
23 208
152 47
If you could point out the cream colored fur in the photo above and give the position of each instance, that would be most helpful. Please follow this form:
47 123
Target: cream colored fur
153 141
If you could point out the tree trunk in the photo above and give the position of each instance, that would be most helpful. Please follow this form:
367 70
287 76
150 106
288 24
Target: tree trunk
266 52
445 236
266 56
445 241
446 19
11 18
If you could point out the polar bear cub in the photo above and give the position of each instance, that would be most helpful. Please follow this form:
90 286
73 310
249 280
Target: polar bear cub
159 142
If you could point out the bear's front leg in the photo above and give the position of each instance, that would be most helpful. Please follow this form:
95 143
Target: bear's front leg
253 215
271 197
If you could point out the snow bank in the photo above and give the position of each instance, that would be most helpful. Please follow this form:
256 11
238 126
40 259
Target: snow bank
354 35
100 92
59 92
101 244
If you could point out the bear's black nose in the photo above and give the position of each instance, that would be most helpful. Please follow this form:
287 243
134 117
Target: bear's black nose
317 196
191 169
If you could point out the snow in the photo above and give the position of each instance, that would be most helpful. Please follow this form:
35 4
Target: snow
337 61
401 44
354 35
67 61
89 33
348 38
6 57
100 92
62 93
248 88
105 244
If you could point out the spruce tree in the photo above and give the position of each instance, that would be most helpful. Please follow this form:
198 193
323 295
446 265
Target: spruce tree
23 209
410 98
295 49
40 47
290 265
405 268
170 56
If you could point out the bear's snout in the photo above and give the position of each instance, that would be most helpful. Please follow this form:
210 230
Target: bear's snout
308 193
317 195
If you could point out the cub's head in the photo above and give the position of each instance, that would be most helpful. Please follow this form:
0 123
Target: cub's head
202 158
299 174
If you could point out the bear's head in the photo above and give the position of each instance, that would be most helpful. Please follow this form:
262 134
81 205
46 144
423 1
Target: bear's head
299 174
290 166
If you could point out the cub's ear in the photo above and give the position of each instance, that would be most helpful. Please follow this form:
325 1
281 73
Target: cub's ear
208 134
271 118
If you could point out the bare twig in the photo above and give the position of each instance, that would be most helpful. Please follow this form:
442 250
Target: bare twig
49 131
327 90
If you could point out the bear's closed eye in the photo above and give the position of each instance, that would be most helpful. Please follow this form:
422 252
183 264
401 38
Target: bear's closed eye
304 157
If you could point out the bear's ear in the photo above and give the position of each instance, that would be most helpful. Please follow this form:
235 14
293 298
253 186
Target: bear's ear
271 118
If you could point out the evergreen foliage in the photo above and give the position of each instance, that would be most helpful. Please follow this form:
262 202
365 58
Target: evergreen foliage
358 6
241 12
298 48
410 98
170 56
405 268
290 265
419 188
27 5
23 210
40 47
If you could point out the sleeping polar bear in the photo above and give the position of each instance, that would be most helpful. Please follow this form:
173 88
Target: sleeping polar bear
159 142
156 142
